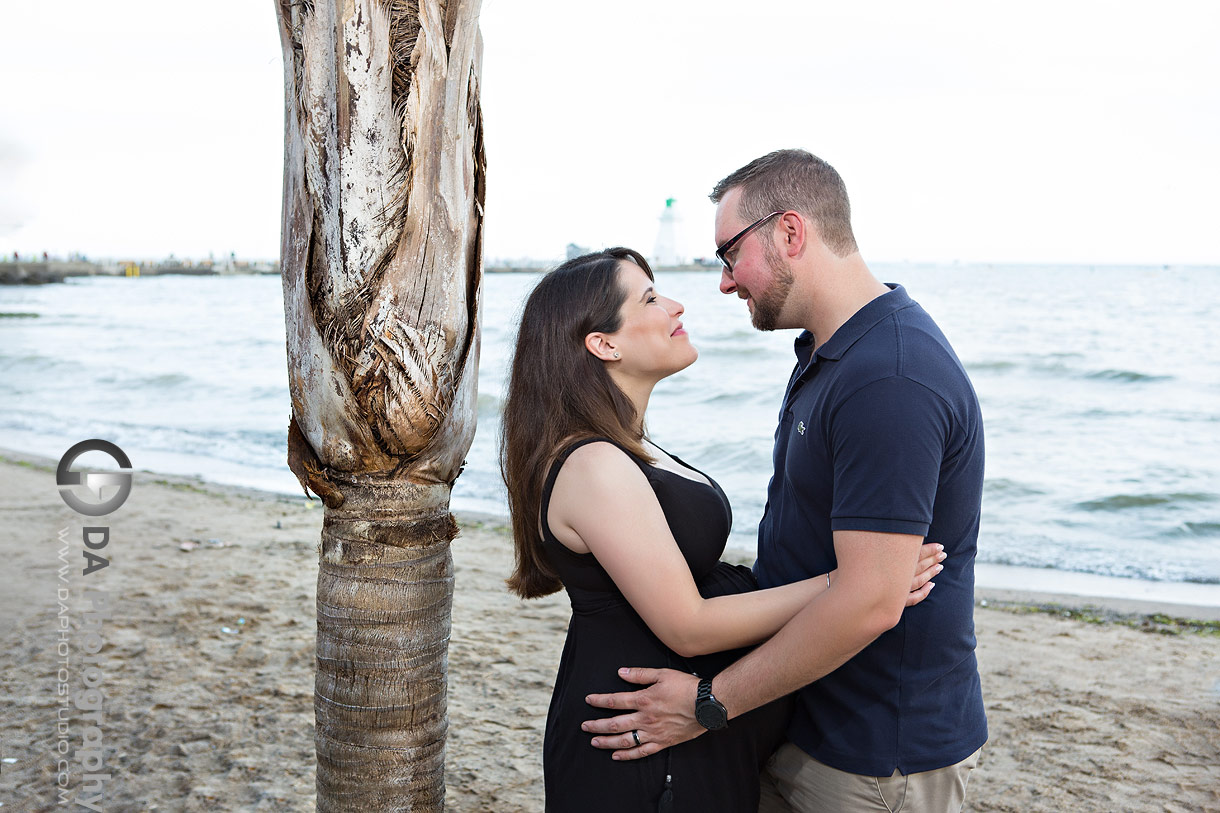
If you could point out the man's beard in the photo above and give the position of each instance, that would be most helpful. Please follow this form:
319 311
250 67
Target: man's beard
768 305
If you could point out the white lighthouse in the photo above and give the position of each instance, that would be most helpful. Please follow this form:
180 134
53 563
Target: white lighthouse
666 252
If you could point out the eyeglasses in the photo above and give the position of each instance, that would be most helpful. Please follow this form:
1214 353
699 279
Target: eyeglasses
723 249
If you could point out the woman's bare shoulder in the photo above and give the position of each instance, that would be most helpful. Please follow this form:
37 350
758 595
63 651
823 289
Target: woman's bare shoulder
597 460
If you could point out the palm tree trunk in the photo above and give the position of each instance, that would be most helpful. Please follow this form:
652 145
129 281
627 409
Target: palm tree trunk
381 260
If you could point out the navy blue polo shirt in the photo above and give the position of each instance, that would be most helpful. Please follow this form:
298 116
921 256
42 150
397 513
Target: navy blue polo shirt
881 431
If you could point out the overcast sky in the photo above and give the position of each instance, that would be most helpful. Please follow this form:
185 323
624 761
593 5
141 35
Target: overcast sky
1041 131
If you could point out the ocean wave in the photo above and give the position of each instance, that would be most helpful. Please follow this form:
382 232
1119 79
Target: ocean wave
131 381
1053 364
241 445
1129 376
998 366
1201 580
1120 502
37 363
731 456
1158 572
1095 413
732 399
1193 529
1001 486
162 380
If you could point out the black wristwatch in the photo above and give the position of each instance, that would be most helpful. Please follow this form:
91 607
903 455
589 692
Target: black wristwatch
709 711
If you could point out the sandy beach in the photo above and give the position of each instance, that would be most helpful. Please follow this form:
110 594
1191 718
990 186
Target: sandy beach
208 679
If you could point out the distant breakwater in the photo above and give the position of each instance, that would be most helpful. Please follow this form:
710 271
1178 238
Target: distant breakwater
41 273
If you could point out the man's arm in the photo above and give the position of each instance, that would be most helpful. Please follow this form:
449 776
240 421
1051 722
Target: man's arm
866 599
603 504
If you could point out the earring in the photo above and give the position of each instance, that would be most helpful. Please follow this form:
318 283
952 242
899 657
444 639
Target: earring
616 354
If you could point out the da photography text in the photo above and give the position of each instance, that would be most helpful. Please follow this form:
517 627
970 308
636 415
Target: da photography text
80 681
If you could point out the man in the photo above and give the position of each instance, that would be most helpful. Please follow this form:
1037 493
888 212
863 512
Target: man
879 445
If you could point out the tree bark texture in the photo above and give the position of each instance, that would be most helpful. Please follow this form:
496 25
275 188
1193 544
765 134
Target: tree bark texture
381 261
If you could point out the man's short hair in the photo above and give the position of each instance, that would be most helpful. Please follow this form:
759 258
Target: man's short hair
796 180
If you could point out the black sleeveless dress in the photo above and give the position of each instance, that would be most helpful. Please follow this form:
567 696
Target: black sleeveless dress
717 771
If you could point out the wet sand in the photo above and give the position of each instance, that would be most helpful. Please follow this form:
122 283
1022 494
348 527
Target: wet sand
208 655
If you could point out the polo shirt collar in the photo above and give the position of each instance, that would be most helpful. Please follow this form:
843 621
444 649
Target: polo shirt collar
861 322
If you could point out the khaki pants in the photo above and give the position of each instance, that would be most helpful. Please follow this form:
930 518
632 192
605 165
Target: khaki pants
794 782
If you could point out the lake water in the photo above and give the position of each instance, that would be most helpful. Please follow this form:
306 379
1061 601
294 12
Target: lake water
1100 390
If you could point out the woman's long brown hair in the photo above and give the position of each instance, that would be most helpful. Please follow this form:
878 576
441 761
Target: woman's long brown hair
558 393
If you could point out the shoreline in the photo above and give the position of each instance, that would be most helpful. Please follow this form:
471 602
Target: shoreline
996 583
208 666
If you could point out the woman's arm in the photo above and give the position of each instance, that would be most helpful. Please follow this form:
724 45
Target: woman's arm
603 504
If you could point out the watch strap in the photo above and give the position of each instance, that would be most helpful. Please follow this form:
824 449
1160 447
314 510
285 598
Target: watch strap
709 712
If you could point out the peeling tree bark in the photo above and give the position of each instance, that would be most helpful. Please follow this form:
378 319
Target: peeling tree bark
381 260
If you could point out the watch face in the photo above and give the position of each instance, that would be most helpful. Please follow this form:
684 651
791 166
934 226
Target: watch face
711 715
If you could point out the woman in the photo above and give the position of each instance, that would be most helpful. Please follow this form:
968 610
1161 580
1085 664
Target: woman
635 536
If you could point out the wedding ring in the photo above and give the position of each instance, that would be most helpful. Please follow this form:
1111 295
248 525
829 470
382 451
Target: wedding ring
635 735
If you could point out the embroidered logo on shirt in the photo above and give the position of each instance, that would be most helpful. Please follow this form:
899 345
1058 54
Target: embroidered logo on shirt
800 427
